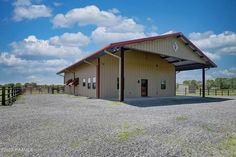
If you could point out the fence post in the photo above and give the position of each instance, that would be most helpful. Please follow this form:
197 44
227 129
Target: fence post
215 92
52 89
200 91
222 92
208 91
12 94
185 91
9 95
3 96
228 92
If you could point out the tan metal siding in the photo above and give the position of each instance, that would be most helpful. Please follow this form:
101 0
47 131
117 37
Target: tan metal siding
69 89
165 47
109 72
138 65
85 71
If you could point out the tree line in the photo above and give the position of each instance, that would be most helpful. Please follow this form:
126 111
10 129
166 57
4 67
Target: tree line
218 83
30 84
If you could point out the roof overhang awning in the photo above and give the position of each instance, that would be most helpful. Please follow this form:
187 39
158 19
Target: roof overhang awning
180 64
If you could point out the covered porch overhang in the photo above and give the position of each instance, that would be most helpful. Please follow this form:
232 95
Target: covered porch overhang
180 63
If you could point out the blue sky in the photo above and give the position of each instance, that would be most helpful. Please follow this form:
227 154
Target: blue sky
40 37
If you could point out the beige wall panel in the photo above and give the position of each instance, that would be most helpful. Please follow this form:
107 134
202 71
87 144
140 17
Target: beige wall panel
109 71
138 65
85 71
165 47
69 89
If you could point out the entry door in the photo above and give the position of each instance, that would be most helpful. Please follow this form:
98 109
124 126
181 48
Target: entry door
144 87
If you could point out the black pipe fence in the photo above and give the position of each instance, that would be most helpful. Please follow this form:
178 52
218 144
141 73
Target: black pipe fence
208 92
8 95
44 90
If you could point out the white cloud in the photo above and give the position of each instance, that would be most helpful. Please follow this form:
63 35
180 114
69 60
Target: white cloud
110 27
114 11
31 66
212 56
10 59
231 72
86 16
64 45
57 4
223 43
70 39
169 32
103 36
24 9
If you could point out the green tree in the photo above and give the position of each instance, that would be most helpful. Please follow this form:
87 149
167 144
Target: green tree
186 82
18 84
194 84
210 84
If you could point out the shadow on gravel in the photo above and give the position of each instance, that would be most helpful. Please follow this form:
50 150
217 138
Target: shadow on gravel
151 102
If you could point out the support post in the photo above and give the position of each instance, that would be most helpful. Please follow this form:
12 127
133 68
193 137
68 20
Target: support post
98 79
203 82
121 75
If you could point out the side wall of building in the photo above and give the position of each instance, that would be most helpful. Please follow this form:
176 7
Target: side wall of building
84 71
138 65
69 89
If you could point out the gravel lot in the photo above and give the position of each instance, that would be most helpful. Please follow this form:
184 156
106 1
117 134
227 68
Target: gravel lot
63 125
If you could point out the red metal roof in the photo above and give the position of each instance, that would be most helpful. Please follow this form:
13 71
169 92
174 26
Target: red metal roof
123 43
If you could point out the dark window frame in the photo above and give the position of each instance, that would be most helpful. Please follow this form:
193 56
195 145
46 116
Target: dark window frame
84 82
94 83
163 84
89 83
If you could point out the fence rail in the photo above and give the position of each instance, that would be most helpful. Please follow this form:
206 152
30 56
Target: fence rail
8 95
208 92
43 90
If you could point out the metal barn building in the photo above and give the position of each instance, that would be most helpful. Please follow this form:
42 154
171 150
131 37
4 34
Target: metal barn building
135 68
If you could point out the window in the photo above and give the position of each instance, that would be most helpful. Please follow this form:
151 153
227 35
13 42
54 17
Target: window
89 83
163 84
94 82
117 83
84 82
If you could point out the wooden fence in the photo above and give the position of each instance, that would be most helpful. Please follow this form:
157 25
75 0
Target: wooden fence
8 95
208 92
43 90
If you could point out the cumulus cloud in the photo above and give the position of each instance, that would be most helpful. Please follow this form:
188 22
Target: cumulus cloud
212 56
24 9
70 39
220 44
86 16
110 27
103 36
231 72
31 66
10 59
61 46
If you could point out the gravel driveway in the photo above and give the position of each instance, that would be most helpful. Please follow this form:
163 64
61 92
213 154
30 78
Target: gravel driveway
63 125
